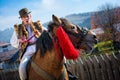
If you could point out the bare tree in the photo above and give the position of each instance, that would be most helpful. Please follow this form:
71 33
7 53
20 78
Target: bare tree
106 18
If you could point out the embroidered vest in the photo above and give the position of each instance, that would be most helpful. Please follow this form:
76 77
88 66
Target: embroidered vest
21 32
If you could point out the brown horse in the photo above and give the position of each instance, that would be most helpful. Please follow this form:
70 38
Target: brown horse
47 64
85 40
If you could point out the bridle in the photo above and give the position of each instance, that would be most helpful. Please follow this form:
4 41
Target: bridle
82 35
85 32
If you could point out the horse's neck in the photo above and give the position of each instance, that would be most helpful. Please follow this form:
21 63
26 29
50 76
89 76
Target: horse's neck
50 62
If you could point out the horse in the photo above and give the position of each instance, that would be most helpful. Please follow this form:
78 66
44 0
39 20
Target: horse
85 40
46 63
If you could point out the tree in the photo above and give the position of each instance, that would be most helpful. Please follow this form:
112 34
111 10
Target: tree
106 18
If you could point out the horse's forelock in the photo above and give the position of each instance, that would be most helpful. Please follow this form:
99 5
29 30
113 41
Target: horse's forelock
50 26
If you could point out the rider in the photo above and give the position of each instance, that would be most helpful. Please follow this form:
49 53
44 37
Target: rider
25 35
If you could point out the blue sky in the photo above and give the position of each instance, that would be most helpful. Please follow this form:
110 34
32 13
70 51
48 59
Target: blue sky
43 9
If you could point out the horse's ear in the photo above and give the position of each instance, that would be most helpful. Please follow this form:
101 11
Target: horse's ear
56 20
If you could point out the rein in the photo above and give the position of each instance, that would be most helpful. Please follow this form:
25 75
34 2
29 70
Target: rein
29 38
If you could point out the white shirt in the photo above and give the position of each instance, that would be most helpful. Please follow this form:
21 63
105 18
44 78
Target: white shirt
14 40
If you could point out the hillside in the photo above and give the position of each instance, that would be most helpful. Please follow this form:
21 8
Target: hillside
81 19
6 35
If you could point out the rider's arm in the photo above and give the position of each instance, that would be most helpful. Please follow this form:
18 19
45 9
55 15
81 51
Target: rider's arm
14 40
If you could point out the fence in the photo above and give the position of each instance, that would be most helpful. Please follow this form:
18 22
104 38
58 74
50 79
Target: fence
93 67
9 71
96 67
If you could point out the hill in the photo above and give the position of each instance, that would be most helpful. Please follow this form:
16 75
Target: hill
6 34
81 19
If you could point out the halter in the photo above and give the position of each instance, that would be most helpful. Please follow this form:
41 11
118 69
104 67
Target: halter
85 32
81 35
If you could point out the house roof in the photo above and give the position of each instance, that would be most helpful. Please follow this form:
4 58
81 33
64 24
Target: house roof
3 44
5 56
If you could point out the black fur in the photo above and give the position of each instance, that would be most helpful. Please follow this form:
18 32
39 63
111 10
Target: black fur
44 43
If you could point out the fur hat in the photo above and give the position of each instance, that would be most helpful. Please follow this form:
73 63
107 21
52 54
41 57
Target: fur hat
23 12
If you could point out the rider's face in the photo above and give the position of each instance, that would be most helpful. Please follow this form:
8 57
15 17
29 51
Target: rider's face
26 19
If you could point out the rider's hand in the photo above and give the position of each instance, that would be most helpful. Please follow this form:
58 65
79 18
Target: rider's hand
31 41
22 40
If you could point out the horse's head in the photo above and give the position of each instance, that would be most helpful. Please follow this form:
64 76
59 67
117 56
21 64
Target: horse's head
88 41
45 42
71 29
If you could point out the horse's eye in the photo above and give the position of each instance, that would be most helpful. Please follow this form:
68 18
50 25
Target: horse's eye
72 27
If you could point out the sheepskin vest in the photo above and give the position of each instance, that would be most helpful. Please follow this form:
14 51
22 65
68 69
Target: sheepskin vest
21 32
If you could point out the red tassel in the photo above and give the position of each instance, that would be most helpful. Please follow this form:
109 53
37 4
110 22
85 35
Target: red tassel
67 47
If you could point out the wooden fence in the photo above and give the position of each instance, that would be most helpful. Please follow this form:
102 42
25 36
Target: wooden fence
9 71
96 67
93 67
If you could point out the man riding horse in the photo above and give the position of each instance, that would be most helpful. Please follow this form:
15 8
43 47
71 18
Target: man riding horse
26 34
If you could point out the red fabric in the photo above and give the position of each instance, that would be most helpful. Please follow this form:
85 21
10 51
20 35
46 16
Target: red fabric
67 47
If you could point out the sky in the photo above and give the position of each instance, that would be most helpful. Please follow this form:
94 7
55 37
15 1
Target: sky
43 9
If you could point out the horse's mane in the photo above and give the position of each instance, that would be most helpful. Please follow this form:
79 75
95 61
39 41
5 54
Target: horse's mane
44 43
50 26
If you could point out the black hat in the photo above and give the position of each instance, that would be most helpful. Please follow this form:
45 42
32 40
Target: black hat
23 12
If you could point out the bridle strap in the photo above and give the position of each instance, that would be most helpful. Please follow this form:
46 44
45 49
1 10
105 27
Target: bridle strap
74 34
82 37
